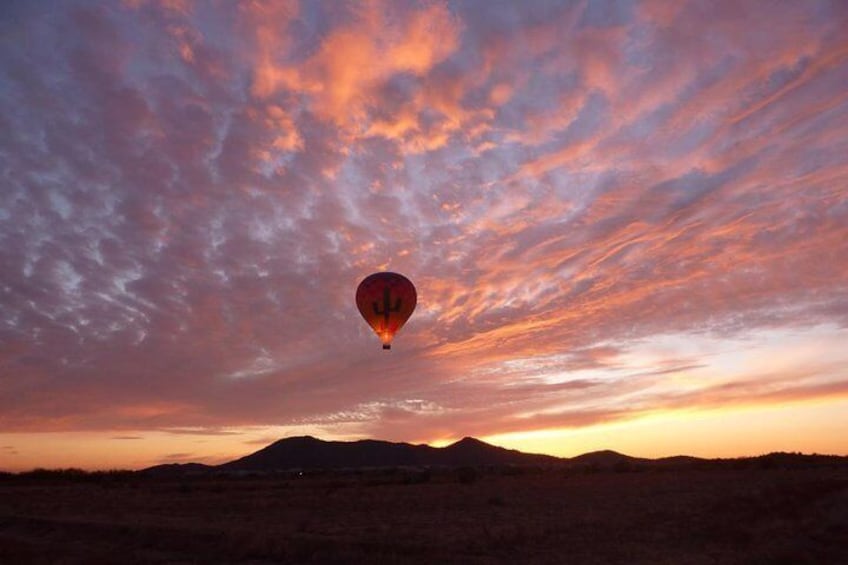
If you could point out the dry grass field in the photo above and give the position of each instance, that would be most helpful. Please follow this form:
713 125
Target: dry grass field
692 516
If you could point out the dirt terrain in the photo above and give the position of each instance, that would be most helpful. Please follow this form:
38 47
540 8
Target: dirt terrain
417 516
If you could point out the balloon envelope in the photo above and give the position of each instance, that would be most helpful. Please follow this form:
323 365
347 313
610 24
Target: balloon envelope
386 300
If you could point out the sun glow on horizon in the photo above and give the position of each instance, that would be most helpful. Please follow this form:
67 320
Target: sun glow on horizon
808 427
805 426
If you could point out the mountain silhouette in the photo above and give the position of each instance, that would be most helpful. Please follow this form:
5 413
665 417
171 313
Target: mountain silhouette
605 458
471 451
307 452
167 469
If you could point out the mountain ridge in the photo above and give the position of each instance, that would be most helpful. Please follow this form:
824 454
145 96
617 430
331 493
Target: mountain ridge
307 452
310 453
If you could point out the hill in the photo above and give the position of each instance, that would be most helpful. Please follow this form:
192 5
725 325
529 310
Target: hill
178 469
308 453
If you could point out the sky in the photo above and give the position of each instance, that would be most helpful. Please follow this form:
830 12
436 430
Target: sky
627 223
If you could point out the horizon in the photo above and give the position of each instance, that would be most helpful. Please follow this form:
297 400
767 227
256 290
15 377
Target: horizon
626 224
445 445
437 445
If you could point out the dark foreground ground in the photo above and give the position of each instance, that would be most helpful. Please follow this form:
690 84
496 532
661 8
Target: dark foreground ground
532 516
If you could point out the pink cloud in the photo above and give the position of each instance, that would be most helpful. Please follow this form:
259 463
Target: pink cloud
193 196
340 80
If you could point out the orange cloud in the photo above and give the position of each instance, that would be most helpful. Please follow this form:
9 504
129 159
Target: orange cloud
194 195
268 21
342 78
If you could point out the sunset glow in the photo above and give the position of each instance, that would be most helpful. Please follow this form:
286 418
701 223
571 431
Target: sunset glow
626 222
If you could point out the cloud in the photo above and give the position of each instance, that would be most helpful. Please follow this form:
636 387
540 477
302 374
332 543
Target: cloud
191 197
353 66
202 432
178 457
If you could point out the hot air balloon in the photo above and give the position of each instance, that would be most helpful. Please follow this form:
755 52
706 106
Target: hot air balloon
386 300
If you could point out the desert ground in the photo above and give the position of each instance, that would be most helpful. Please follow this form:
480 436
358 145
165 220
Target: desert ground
680 516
